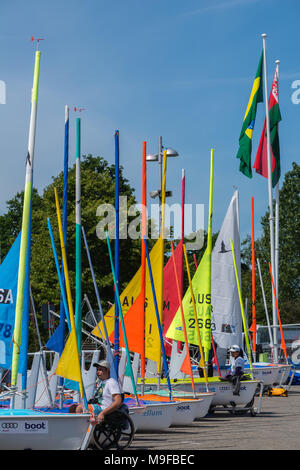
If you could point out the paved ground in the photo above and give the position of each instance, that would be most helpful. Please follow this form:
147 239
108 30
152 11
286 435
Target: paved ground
277 427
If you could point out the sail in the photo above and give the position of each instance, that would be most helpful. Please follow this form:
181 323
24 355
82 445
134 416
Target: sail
8 293
226 311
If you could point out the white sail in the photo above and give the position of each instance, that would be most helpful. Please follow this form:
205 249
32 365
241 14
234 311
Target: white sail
226 311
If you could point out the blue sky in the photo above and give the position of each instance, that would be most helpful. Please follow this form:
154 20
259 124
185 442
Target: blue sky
182 70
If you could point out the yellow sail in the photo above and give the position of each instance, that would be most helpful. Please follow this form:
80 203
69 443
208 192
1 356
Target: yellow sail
69 363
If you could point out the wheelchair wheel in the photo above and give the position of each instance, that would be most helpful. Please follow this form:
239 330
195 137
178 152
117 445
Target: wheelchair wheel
117 431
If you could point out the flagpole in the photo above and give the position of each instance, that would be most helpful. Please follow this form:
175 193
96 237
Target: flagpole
253 328
265 305
283 345
271 216
277 211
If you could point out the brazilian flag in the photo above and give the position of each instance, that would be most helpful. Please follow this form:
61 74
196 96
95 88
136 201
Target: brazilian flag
245 140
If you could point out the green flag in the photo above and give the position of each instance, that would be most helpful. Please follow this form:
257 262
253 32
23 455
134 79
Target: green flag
245 140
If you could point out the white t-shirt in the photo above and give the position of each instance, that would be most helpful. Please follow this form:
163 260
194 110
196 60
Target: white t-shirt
110 388
234 363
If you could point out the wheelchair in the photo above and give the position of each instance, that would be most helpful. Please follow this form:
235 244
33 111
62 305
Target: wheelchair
116 432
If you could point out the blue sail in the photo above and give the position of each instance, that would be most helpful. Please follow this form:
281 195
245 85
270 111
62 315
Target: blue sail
8 296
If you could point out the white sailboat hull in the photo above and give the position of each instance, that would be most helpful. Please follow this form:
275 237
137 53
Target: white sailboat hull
152 417
185 412
20 430
268 373
223 391
204 401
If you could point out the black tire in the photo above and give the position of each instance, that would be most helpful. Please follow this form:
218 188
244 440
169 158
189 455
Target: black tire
117 431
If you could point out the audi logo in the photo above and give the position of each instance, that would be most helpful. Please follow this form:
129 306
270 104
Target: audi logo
9 425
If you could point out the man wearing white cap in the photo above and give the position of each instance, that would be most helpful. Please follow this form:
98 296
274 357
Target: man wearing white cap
236 368
107 396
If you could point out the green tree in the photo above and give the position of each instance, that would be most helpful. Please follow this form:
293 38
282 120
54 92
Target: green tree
289 254
97 187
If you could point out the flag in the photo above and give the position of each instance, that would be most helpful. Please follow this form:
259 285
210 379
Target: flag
261 160
245 140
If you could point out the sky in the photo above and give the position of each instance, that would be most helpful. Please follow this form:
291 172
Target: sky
180 70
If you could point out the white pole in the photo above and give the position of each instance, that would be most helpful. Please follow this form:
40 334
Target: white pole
265 304
277 212
271 217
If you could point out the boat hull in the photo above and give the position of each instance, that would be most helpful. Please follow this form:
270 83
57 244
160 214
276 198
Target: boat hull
284 372
152 417
266 373
203 405
20 430
223 391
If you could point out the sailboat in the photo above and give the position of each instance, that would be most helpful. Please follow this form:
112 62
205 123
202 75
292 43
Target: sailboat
226 308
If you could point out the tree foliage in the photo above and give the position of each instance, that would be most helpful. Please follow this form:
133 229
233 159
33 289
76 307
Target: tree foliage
97 187
289 255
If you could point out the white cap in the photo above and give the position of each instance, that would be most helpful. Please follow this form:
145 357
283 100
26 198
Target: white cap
103 363
234 348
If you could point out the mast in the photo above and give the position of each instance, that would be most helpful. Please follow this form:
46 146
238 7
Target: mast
158 321
143 257
117 250
242 307
65 211
25 226
122 320
183 323
207 314
78 296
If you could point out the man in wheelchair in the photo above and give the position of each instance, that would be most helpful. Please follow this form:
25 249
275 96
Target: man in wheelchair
107 396
113 425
